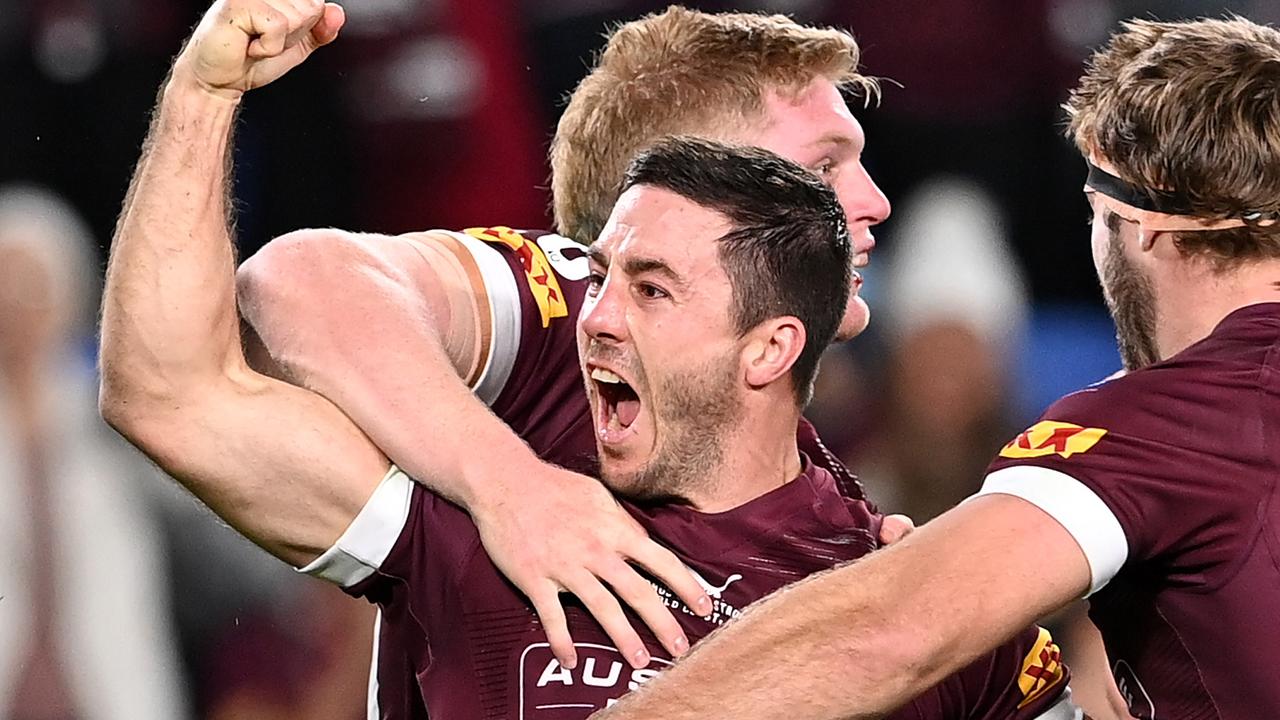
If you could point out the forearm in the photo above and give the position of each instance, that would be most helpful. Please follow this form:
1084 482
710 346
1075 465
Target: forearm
863 639
821 649
171 255
430 424
281 465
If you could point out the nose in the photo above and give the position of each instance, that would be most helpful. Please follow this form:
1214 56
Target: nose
603 316
865 202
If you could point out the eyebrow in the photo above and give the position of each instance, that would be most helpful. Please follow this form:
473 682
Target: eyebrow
640 266
598 256
838 139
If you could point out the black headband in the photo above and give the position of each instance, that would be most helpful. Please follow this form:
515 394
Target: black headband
1160 201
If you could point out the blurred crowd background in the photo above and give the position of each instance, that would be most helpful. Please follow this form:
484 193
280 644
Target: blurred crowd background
119 594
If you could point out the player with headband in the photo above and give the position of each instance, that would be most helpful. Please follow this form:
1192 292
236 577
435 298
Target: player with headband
1153 493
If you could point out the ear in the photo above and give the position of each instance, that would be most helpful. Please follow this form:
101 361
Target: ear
771 348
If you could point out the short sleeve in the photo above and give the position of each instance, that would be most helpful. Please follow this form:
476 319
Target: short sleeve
1164 465
367 542
1076 507
536 284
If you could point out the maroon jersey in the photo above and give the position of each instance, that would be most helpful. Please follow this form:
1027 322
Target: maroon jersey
455 638
476 649
1166 478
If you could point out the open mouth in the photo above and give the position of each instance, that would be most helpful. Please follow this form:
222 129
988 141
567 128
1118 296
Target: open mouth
619 403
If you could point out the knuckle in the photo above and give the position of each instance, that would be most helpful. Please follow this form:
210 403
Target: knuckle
595 550
274 20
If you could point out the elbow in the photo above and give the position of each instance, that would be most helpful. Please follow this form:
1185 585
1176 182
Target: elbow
117 411
133 407
909 660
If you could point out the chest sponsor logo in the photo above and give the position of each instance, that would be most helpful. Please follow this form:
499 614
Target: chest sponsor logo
722 611
1042 669
1049 437
550 691
537 269
1135 696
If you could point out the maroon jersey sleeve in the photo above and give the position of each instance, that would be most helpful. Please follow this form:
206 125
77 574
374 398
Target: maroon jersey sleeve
404 552
404 535
1021 680
1165 465
534 283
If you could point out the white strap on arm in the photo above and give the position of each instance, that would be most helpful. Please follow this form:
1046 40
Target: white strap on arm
365 544
505 313
1077 507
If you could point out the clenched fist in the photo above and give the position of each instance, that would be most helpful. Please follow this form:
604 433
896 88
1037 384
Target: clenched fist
245 44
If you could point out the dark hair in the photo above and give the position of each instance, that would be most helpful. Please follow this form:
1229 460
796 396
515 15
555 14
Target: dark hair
789 250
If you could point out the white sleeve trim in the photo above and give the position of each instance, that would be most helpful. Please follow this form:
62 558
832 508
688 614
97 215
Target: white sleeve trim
367 541
374 712
1073 504
505 313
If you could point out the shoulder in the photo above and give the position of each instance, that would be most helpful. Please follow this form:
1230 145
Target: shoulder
1177 403
538 251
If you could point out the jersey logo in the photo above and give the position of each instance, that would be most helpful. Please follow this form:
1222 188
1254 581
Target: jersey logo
1042 669
568 257
1048 437
537 269
711 590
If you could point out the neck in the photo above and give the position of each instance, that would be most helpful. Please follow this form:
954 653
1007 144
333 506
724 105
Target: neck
759 455
1197 298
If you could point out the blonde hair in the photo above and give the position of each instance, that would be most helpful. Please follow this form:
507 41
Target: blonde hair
680 72
1192 108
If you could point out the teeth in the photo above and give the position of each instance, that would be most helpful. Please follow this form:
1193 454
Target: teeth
605 376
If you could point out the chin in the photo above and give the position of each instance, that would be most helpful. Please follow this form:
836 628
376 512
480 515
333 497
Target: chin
856 318
622 483
637 484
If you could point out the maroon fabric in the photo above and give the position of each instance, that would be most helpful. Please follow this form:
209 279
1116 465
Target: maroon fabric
456 630
479 652
1188 466
543 400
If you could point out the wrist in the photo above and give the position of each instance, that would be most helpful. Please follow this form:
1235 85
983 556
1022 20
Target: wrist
489 485
184 84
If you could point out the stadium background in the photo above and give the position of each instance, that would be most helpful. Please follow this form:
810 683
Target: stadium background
437 113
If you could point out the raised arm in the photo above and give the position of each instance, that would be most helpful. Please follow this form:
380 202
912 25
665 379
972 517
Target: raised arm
393 354
861 640
282 465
